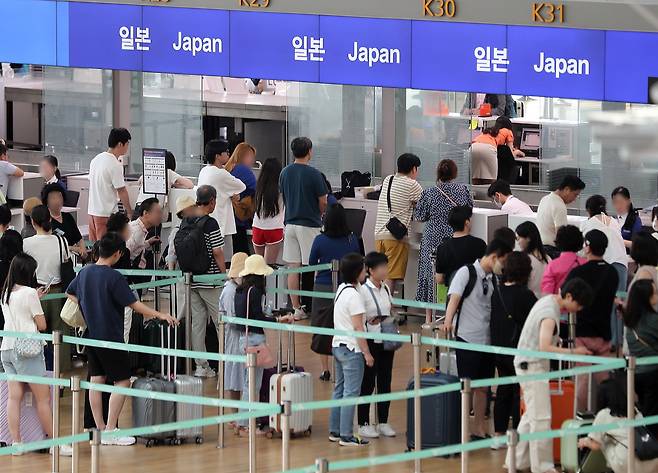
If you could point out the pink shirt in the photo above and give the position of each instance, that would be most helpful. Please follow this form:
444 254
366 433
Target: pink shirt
558 269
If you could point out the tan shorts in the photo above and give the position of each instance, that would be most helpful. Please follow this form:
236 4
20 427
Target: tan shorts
397 253
297 243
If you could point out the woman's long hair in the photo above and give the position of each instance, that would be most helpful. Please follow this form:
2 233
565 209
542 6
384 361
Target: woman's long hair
267 189
530 231
22 271
639 302
238 155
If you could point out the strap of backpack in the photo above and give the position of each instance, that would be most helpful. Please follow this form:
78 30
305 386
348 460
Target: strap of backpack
247 316
470 285
341 291
388 195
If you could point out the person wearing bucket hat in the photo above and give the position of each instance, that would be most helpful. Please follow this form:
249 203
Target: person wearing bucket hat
185 207
249 304
233 372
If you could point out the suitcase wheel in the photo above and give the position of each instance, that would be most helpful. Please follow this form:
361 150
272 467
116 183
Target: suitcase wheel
199 440
150 443
177 441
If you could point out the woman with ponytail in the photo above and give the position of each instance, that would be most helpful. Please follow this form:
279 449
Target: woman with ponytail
49 171
434 207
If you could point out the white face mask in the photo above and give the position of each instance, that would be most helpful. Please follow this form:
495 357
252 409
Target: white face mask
497 202
655 224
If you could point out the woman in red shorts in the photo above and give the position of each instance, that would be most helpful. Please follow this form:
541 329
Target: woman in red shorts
268 219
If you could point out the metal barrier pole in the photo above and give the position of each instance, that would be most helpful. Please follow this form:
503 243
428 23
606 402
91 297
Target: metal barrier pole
95 443
465 418
220 379
156 258
512 442
286 411
415 342
630 408
335 268
75 424
251 373
57 343
188 321
321 465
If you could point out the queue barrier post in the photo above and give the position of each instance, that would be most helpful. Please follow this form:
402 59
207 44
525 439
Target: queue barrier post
75 423
220 380
335 269
286 411
251 375
321 465
465 417
57 346
95 443
630 410
512 442
416 345
187 281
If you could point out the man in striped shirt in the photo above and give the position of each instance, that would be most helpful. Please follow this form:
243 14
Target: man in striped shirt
205 296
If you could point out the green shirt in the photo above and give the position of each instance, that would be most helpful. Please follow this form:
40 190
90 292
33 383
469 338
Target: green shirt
647 331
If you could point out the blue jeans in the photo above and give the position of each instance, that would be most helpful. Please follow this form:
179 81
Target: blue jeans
255 339
349 375
616 324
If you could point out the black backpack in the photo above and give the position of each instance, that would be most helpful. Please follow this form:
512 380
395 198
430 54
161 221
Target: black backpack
352 179
190 245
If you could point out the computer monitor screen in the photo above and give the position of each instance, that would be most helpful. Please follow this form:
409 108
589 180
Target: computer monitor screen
530 139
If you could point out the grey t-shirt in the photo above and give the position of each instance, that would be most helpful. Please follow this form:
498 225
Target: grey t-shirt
473 322
6 169
545 308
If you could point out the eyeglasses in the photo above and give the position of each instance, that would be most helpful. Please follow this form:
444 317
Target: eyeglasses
485 286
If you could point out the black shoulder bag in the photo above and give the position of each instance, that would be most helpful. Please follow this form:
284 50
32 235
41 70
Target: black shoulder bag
394 225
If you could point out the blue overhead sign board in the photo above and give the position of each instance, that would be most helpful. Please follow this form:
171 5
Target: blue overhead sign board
555 62
459 57
276 46
551 62
366 51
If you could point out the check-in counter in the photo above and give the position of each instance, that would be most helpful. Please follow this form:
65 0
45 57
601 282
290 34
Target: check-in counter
370 206
516 220
483 225
21 188
80 184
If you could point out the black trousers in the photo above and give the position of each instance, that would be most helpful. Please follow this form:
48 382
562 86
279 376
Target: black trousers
241 241
380 373
646 385
507 396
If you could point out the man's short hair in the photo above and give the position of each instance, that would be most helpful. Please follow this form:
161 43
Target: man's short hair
118 136
3 148
500 186
498 247
458 216
147 205
213 148
117 222
597 242
110 244
407 162
505 234
5 214
572 182
205 194
301 147
580 291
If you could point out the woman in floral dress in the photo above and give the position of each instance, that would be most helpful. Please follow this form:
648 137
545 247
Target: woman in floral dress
433 207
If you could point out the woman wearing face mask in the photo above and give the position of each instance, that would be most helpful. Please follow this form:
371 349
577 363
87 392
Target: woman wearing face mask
49 171
44 247
627 216
529 241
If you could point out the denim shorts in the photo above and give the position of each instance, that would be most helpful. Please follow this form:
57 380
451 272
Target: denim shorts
23 366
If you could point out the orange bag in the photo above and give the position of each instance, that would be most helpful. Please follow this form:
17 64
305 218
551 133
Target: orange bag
485 110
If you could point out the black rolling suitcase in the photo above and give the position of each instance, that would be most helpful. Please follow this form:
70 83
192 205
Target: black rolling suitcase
441 414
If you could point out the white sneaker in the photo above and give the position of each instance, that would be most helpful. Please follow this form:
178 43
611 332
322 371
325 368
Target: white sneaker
300 314
117 440
500 443
206 372
16 444
64 451
386 430
368 431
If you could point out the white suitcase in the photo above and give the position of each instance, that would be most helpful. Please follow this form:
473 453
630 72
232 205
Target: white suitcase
291 385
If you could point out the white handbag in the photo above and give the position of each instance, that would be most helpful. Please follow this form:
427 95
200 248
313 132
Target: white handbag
72 315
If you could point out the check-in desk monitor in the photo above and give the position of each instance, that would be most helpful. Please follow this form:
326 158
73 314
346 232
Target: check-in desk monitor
530 140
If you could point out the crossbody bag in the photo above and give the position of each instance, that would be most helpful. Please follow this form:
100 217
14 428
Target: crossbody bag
386 327
394 225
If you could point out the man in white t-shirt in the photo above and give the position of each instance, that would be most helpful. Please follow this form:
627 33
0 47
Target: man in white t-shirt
7 169
106 183
552 210
501 194
216 154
